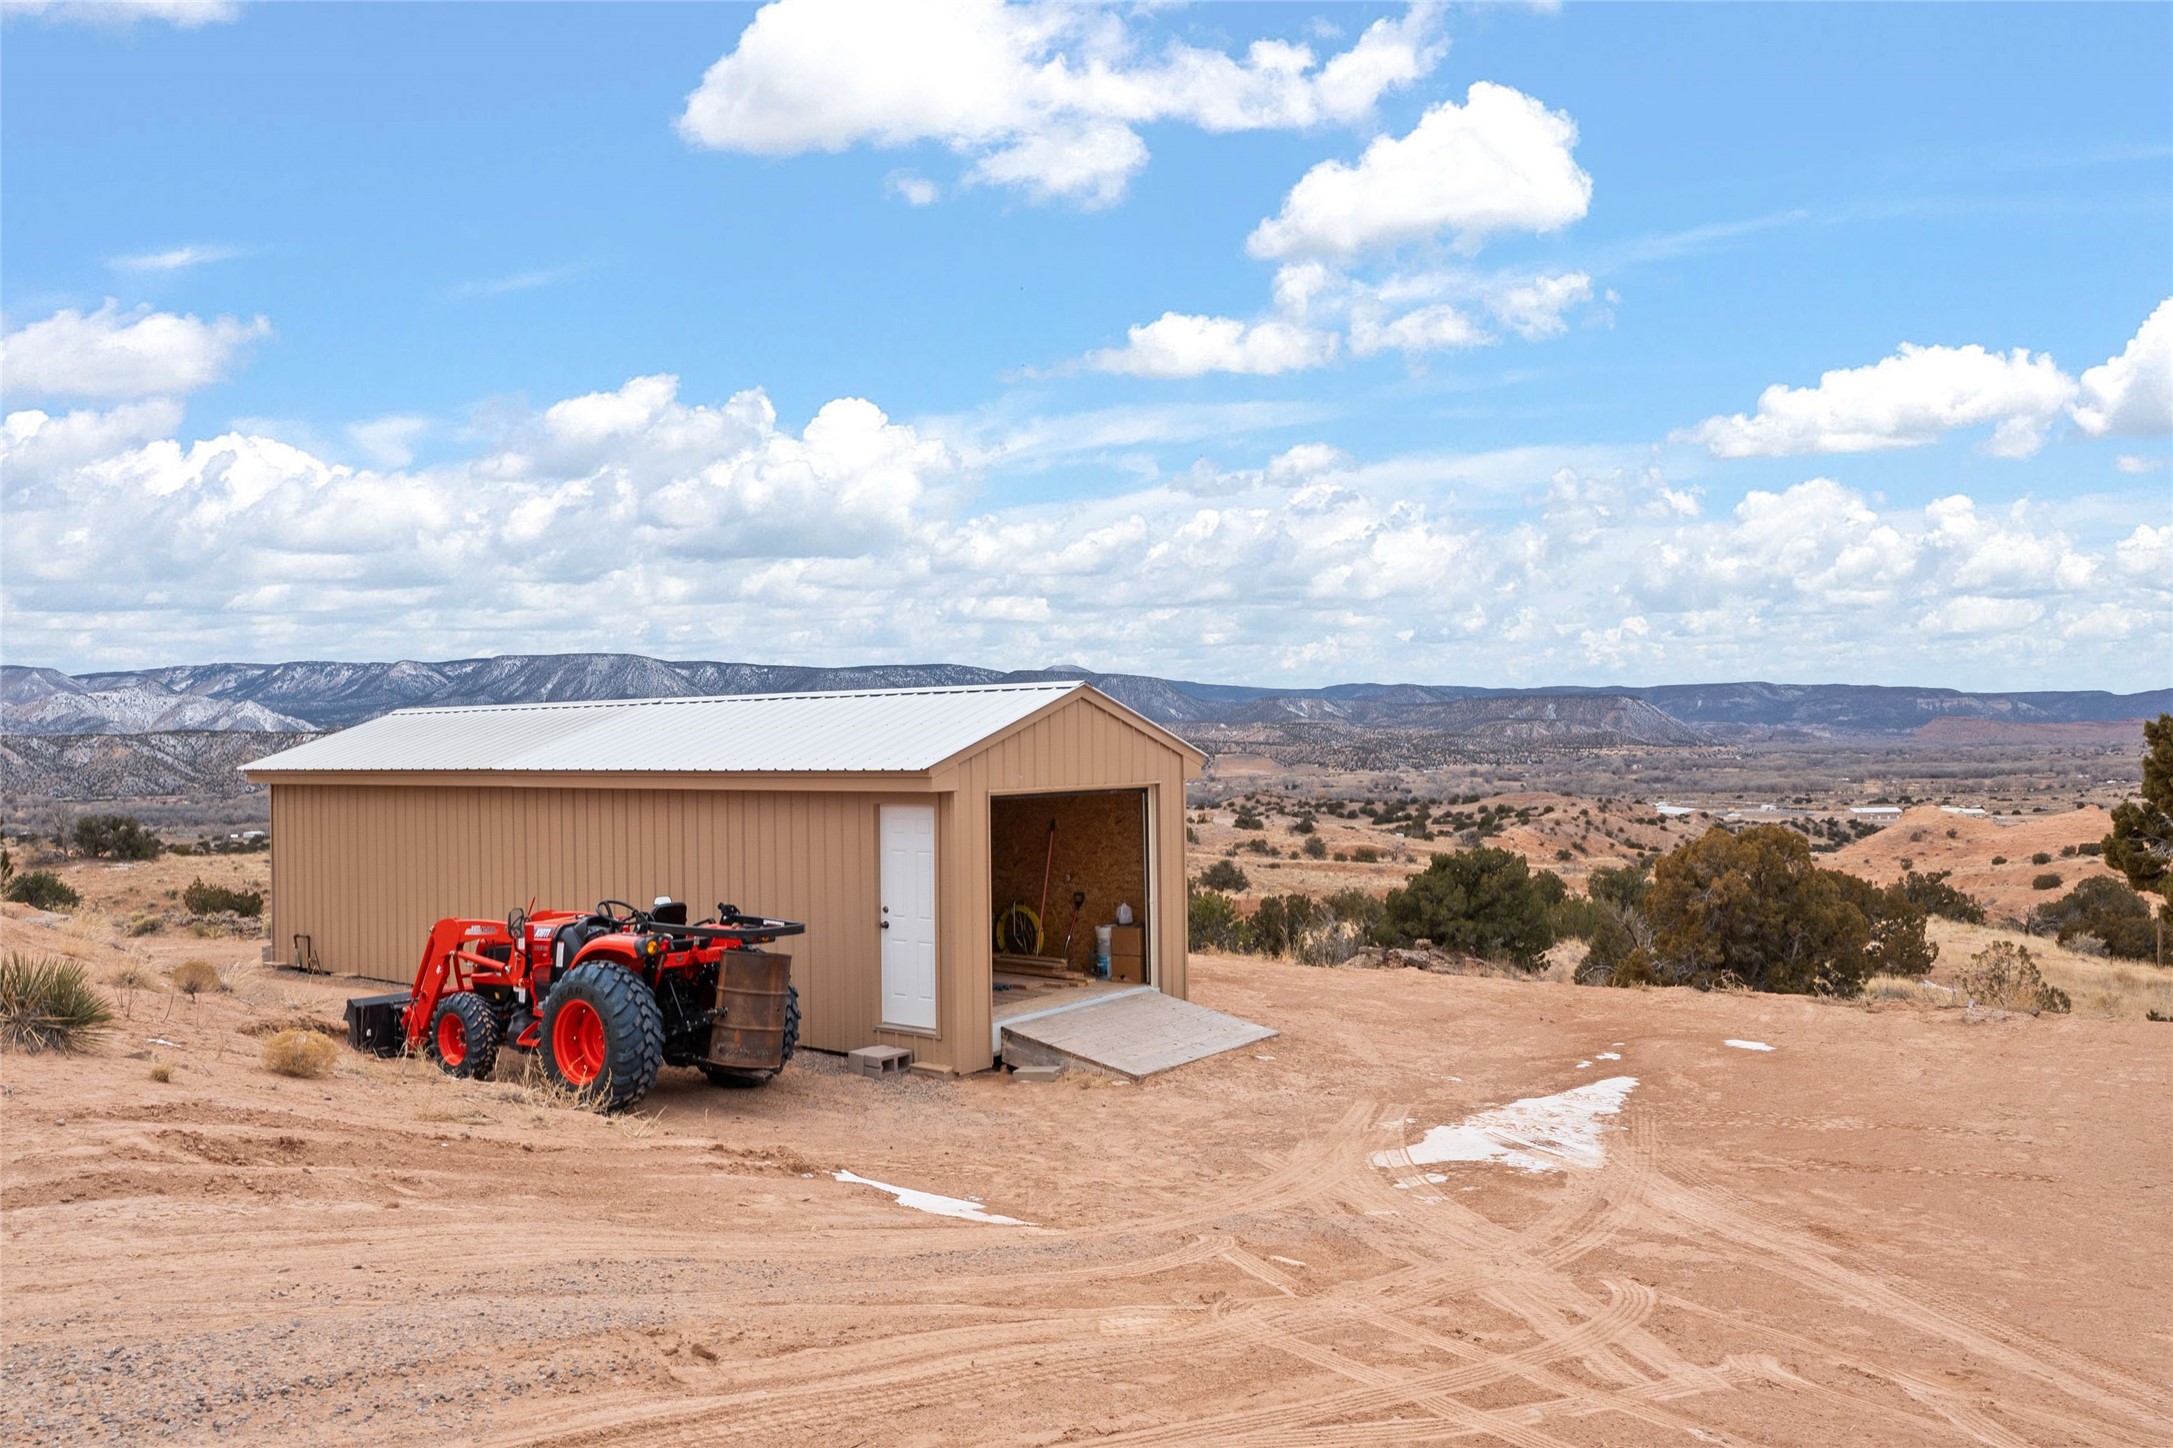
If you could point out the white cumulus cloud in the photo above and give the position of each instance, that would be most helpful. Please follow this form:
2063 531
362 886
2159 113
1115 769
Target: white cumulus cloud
634 517
2132 395
1911 398
1500 162
1043 96
110 353
1179 345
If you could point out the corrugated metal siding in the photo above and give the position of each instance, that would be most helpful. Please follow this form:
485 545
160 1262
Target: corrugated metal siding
878 731
366 869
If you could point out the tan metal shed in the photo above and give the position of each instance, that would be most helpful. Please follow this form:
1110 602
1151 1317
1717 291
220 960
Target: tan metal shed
879 817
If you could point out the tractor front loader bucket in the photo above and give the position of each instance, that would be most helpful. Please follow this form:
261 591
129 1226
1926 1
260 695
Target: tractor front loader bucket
374 1023
753 990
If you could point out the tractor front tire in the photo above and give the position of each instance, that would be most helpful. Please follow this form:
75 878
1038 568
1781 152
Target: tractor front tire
603 1035
733 1076
464 1036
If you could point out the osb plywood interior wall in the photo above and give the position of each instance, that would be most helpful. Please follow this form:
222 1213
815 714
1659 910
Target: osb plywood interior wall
1101 848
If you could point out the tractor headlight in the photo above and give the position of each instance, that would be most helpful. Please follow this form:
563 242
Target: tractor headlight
653 946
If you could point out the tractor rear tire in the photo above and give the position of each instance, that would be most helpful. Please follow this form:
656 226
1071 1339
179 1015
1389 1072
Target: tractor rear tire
603 1035
734 1076
464 1036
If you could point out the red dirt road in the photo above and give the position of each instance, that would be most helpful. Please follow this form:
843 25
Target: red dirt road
1895 1227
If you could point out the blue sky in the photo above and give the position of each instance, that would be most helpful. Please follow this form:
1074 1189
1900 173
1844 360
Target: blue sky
1279 344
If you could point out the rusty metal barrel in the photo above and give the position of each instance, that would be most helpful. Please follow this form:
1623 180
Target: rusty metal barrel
752 991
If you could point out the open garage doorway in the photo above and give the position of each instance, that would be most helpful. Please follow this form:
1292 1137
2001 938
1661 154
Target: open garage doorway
1063 869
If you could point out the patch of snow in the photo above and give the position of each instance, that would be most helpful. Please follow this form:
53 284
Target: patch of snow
1748 1045
960 1207
1288 1262
1608 1056
1539 1133
1584 1065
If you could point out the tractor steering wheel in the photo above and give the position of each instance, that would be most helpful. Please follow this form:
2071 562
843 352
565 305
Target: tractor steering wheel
516 922
603 907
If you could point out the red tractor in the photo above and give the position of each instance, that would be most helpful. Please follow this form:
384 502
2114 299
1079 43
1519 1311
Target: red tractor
609 996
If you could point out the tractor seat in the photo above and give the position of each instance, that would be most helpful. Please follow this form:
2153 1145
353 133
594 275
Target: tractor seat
669 912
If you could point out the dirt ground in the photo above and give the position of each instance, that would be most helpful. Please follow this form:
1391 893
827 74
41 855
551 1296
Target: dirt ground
1897 1226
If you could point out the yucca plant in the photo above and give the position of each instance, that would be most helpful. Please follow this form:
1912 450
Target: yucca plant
49 1005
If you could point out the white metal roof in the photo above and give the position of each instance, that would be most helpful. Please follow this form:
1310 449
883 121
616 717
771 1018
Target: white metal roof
870 730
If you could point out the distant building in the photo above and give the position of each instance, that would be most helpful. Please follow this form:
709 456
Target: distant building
1877 811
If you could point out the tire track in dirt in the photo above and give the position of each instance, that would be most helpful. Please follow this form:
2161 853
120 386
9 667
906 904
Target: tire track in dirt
1311 1171
1712 1208
998 1354
1626 1306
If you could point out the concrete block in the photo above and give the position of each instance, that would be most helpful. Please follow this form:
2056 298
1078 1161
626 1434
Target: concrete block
879 1061
1037 1073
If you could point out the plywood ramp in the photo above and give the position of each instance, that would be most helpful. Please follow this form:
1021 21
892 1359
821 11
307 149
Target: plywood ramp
1134 1034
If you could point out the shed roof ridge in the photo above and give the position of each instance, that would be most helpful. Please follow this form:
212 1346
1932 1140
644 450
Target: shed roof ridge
1049 686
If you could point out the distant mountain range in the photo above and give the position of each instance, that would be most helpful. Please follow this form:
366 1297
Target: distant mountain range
308 696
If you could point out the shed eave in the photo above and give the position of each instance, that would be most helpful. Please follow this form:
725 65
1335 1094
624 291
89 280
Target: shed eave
869 781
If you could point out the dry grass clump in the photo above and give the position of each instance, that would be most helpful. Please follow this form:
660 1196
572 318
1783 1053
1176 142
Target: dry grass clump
1905 991
194 977
2116 989
161 1071
300 1053
135 976
49 1005
2108 989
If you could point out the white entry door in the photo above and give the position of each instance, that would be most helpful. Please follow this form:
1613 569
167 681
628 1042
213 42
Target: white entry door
908 834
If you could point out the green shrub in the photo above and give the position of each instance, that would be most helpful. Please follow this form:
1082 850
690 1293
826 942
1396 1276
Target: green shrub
1359 909
2050 880
2005 976
114 837
1752 909
2107 910
1275 926
1315 848
1895 943
1366 855
203 899
1932 894
1223 875
43 890
1483 901
2042 857
1304 826
1625 887
49 1005
1212 921
1999 859
1247 820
